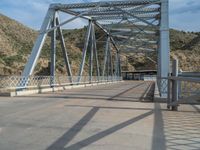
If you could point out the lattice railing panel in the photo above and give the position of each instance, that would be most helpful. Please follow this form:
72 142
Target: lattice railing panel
187 89
12 82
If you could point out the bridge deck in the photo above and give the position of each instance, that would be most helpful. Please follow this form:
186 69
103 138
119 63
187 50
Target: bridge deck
104 117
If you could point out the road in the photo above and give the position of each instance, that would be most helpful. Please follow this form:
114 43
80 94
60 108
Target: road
115 116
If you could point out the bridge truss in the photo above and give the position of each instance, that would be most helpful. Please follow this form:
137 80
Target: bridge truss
131 26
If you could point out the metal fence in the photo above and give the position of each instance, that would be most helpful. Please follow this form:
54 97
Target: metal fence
188 88
182 88
17 82
150 77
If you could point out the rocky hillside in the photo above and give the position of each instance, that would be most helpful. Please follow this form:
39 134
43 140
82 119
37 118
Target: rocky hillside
186 47
16 42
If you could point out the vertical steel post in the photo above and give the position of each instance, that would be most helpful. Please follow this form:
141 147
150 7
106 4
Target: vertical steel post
119 64
164 48
179 85
64 51
111 62
118 59
87 37
28 70
53 52
174 83
95 52
169 90
91 55
108 62
106 55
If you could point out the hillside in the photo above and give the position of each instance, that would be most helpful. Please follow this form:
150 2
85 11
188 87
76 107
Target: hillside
16 42
186 47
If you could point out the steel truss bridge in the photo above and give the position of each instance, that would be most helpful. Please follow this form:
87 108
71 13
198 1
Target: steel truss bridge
130 26
103 117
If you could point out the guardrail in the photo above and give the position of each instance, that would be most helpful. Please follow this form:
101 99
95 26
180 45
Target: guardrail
182 88
189 74
20 82
150 77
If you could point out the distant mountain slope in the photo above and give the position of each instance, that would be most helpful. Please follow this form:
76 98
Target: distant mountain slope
16 42
186 47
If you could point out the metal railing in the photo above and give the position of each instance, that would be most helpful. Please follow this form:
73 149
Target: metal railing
20 82
182 88
150 77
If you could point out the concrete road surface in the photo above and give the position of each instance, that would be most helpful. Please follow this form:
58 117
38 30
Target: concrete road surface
105 117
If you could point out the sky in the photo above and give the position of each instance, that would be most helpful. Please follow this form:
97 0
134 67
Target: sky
183 14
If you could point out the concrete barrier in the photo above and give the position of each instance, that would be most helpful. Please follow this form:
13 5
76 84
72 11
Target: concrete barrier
53 89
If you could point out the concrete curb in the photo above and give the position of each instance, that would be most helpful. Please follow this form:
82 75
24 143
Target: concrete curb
54 89
145 96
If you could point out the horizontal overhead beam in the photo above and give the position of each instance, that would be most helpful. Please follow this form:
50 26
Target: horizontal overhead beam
136 50
137 47
75 14
135 43
108 33
127 3
129 33
131 28
134 37
115 17
116 12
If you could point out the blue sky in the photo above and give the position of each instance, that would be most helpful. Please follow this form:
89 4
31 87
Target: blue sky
184 14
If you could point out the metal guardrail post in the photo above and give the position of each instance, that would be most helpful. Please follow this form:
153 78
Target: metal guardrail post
179 85
169 92
175 83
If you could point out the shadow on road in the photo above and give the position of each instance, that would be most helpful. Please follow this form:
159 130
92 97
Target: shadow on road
69 135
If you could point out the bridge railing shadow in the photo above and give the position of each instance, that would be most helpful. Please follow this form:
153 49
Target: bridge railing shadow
176 130
61 142
171 131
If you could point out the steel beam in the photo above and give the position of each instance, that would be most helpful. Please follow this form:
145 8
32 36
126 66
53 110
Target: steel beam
38 44
87 37
134 49
95 52
164 48
139 17
111 61
64 51
53 51
127 3
115 12
119 64
130 32
106 55
76 13
63 23
91 54
119 17
174 83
